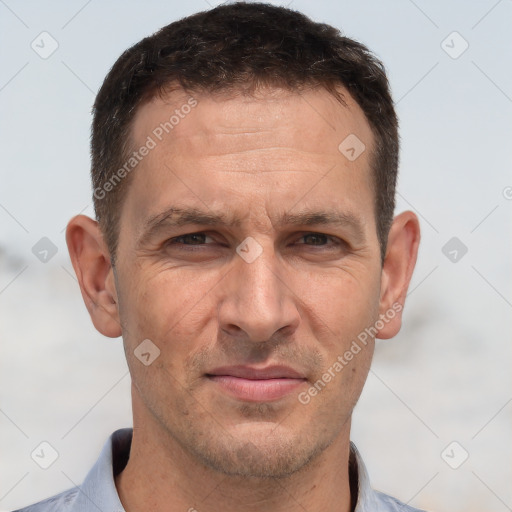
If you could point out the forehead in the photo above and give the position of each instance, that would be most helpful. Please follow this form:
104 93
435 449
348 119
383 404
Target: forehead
314 120
232 148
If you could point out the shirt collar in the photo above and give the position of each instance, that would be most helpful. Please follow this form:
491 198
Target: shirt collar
366 498
99 487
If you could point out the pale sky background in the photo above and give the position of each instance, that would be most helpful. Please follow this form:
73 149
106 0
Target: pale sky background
446 377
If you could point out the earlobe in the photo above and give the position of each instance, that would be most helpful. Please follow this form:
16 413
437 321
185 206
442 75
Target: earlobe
401 255
91 261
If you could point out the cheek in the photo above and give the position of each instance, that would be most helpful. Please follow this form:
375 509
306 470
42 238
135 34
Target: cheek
343 303
342 308
169 306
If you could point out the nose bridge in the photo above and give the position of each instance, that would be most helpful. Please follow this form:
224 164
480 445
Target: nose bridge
258 283
258 301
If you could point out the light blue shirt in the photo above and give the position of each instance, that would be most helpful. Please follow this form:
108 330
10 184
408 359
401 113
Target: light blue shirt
98 491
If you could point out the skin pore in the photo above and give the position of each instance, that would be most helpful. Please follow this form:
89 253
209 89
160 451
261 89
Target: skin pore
265 166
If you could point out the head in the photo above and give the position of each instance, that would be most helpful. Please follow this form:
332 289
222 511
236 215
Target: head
244 163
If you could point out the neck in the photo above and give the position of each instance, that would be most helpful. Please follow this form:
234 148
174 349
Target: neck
162 476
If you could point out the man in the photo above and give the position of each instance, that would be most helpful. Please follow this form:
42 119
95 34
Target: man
244 163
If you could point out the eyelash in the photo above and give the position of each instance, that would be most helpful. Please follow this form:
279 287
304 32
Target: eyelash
336 241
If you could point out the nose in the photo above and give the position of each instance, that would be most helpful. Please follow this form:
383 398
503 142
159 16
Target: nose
257 301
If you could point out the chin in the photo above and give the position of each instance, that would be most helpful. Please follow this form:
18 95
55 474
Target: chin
270 452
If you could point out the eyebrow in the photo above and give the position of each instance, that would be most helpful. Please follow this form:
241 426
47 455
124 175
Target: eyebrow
177 217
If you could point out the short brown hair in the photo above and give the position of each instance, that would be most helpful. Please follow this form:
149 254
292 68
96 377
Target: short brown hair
240 46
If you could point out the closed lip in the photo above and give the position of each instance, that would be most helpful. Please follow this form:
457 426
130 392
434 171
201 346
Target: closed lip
252 373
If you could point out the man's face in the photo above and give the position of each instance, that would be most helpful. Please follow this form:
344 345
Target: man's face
295 295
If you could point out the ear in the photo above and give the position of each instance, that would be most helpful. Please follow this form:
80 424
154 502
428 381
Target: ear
91 261
401 254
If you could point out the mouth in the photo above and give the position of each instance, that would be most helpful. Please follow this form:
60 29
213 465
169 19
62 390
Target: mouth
257 385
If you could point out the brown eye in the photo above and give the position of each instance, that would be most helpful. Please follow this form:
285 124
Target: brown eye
189 239
316 238
320 240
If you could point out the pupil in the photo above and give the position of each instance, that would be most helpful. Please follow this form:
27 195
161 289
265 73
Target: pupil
319 239
196 238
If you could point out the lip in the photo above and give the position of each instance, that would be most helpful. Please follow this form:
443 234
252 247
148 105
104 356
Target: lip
257 384
250 372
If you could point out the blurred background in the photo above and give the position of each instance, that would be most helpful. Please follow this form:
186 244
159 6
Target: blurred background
434 420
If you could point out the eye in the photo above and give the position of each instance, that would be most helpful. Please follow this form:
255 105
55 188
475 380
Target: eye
189 239
316 238
320 239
